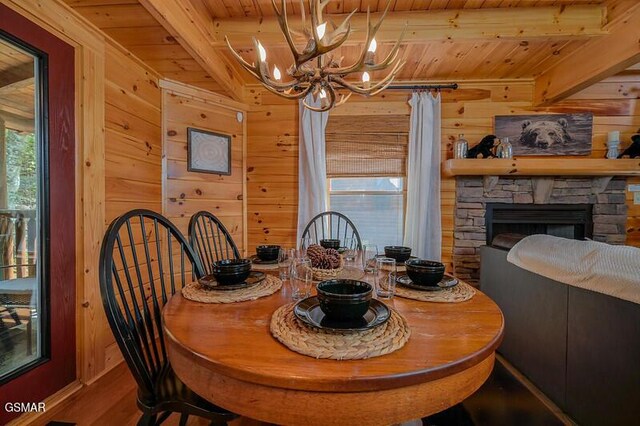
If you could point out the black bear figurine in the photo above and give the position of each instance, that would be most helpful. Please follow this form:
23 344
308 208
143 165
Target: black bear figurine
484 148
633 150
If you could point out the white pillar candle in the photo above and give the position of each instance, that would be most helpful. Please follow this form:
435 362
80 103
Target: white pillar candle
614 135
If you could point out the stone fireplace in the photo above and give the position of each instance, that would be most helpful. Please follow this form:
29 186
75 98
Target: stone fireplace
572 207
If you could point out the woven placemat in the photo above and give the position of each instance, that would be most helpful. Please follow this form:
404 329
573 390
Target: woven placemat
340 345
257 266
264 267
348 273
199 293
459 293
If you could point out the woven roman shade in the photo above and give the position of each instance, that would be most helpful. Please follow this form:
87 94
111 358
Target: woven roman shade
367 146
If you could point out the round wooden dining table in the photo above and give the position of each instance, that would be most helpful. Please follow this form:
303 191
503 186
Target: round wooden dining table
226 354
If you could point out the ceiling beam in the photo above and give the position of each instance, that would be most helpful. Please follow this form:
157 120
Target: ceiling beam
177 17
16 73
594 61
568 22
17 123
10 86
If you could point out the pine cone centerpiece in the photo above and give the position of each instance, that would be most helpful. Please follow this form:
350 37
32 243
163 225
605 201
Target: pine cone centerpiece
322 258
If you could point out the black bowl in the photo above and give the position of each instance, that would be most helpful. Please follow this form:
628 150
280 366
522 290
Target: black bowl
344 300
330 244
268 253
399 253
231 271
424 272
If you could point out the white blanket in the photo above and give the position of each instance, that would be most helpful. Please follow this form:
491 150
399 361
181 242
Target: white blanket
607 269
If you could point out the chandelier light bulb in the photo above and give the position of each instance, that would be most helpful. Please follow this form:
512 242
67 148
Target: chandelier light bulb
276 73
323 94
365 80
321 29
263 53
373 45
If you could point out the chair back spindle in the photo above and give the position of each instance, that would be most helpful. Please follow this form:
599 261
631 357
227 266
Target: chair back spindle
211 240
331 225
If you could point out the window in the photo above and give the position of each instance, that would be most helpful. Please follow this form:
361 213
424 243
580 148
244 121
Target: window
366 169
374 204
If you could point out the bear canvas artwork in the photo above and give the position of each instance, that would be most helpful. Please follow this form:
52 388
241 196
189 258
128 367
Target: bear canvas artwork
548 134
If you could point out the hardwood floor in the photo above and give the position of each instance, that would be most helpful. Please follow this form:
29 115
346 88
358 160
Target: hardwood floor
502 400
111 401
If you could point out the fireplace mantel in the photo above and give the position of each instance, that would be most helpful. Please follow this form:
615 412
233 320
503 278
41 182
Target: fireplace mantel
541 167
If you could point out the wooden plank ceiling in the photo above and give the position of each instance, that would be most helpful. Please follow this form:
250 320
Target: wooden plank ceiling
16 88
501 48
130 24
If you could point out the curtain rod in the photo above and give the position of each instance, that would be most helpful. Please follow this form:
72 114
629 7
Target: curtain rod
452 86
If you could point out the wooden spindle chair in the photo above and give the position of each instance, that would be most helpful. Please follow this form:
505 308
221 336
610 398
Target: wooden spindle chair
331 225
211 240
144 261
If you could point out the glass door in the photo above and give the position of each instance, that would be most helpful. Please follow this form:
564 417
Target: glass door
37 214
22 289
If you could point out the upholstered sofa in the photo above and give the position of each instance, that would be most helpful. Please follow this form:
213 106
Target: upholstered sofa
579 347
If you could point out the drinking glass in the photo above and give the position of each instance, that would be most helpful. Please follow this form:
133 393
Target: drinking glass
385 277
350 246
285 257
301 276
304 245
369 253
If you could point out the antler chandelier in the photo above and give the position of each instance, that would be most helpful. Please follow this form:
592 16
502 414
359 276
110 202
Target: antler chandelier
324 76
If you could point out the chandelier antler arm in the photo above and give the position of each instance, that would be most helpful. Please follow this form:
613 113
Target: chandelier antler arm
343 99
287 95
303 18
344 27
265 79
252 69
376 88
281 15
332 100
360 65
256 70
316 7
391 57
315 47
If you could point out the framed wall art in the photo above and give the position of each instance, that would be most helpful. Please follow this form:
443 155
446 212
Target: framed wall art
208 152
547 134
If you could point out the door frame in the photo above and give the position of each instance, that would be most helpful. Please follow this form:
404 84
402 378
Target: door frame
55 123
88 42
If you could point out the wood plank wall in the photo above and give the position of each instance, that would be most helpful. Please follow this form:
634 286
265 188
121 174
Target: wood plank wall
272 157
133 157
272 169
616 105
189 192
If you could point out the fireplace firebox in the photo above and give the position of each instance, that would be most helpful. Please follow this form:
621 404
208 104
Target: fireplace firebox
561 220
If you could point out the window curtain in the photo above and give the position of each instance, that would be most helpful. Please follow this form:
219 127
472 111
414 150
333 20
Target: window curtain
312 164
423 228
